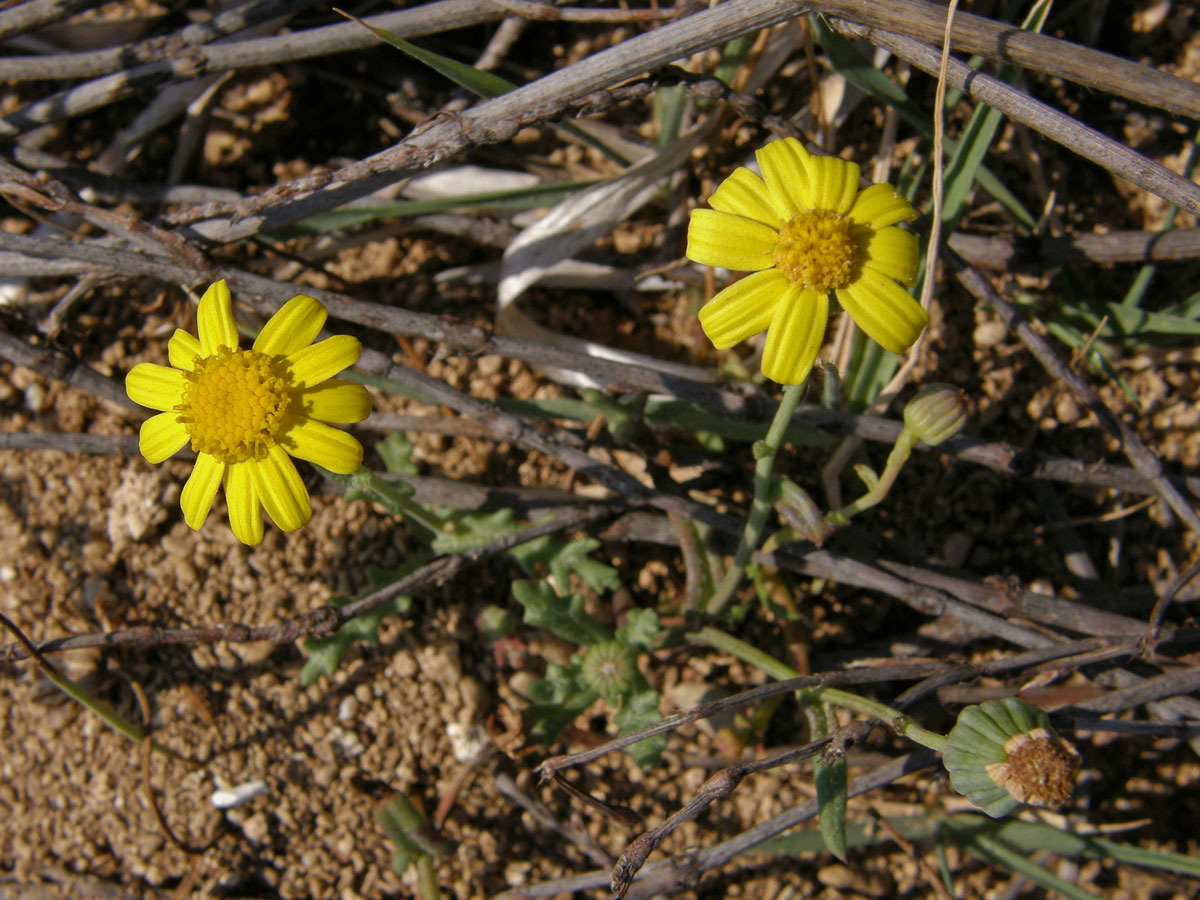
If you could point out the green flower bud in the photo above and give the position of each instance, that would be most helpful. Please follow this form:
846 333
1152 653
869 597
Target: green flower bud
610 669
1003 753
494 623
937 413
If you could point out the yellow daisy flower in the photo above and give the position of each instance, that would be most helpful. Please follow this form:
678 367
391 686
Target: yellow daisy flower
245 411
804 229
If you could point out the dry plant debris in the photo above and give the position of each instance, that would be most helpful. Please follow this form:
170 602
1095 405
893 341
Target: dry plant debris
154 149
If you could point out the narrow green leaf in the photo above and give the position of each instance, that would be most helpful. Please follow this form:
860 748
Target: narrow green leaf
362 213
859 71
477 81
1002 855
967 159
472 529
832 798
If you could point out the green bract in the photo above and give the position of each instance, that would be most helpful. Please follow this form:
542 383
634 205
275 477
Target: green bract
1002 753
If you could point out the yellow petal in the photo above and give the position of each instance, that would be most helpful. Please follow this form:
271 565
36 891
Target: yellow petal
279 488
784 166
881 205
336 401
743 309
745 194
327 447
154 386
884 310
718 238
161 437
894 252
242 499
197 497
294 325
313 364
182 349
833 183
796 334
214 319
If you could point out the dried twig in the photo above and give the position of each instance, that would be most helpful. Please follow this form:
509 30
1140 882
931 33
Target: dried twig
1143 459
1059 127
324 620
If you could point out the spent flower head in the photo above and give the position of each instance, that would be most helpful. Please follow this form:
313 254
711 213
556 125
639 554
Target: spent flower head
247 412
804 229
1002 753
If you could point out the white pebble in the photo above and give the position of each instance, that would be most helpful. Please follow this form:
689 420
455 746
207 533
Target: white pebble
236 796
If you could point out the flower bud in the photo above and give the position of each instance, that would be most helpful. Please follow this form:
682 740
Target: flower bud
610 669
1002 753
495 623
937 413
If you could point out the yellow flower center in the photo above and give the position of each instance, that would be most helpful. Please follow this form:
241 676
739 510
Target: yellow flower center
233 404
816 250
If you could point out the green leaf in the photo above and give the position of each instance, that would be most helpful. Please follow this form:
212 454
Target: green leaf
564 558
624 420
324 654
396 452
479 82
640 629
409 832
472 530
641 711
832 798
563 616
557 700
361 213
1002 855
868 372
967 159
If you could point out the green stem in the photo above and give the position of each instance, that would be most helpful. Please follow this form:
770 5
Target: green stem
889 715
427 879
895 462
727 643
764 453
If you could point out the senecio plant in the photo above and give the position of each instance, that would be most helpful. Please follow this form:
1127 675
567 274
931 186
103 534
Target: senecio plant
806 231
247 412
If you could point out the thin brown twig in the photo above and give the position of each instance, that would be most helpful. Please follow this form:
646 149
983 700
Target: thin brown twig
1061 128
322 621
36 13
1143 459
1159 612
544 817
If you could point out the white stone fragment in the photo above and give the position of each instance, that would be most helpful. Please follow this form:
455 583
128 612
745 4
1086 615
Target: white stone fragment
243 793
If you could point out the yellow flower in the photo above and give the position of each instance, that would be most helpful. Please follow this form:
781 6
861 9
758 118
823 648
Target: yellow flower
804 229
245 411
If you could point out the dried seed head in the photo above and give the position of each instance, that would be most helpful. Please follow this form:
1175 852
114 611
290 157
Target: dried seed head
1040 769
1002 753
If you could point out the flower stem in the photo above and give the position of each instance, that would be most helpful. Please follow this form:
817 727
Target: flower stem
889 715
895 462
764 453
